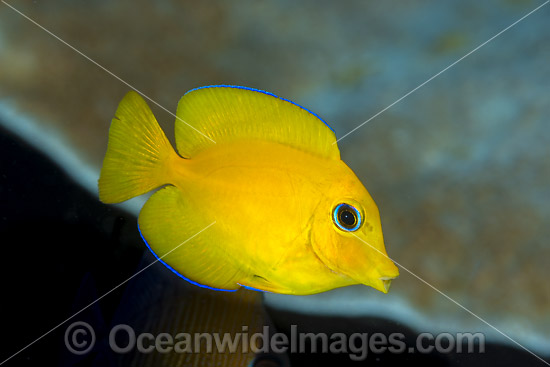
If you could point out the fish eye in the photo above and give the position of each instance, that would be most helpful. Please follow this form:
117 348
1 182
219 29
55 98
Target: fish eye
346 217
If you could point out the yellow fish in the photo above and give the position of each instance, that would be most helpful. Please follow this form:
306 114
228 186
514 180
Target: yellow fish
283 213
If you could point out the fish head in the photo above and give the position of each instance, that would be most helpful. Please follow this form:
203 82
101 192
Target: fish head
347 233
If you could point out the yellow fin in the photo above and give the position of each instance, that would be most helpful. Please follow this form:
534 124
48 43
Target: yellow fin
230 113
169 223
137 153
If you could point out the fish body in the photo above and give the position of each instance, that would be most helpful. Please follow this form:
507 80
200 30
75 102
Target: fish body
289 215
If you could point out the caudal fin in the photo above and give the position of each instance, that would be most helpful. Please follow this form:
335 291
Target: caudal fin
138 153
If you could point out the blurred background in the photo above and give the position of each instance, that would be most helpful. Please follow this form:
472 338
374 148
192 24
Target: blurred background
460 168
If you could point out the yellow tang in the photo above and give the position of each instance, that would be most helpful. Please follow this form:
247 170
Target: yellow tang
290 216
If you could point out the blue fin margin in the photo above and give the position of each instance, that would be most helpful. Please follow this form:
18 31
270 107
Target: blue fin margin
264 92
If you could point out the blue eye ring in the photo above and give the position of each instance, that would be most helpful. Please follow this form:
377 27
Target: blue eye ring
347 217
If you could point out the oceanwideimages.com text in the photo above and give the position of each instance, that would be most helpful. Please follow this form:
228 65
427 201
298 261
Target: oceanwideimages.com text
80 339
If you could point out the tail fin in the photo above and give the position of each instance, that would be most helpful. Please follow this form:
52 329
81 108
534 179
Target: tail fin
138 153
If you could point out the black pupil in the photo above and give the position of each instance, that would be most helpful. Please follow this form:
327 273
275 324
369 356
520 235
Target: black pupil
347 218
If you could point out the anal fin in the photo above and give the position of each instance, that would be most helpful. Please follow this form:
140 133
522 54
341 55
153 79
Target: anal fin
187 243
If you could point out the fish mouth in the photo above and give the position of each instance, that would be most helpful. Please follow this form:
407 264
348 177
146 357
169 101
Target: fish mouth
381 281
385 283
381 284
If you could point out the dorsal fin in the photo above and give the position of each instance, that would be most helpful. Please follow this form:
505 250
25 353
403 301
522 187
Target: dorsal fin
227 113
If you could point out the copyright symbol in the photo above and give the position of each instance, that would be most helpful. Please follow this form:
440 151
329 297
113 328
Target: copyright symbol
79 337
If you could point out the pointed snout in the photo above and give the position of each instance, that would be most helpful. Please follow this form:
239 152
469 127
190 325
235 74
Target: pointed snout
381 279
383 284
387 273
